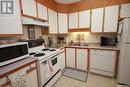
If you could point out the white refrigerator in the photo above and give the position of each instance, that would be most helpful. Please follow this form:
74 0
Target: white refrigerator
123 75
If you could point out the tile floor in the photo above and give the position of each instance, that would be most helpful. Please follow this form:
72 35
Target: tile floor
93 81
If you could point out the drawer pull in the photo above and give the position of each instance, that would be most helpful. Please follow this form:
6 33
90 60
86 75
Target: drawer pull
30 70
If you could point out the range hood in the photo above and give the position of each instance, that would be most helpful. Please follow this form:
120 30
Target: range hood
29 21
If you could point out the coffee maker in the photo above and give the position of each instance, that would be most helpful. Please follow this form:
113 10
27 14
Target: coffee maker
104 41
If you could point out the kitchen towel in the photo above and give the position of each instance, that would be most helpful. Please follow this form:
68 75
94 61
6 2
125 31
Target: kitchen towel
19 80
49 68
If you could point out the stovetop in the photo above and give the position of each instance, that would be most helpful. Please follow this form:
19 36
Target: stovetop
42 53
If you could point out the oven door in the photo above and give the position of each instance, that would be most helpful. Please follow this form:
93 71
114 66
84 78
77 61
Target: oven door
54 61
43 69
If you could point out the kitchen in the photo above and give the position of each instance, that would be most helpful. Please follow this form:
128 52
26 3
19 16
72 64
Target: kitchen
64 43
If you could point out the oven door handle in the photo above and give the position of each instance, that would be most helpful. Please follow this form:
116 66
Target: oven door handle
54 56
44 62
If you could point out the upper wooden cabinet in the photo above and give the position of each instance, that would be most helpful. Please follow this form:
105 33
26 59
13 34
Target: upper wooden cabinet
84 19
63 23
73 20
111 18
97 20
11 24
29 8
53 29
125 10
42 11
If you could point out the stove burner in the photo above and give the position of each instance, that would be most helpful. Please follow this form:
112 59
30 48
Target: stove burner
32 53
46 49
52 50
39 54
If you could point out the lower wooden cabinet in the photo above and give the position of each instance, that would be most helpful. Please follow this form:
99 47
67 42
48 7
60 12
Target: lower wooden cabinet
31 76
97 61
77 58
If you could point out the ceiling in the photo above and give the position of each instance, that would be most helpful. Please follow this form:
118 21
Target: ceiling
67 1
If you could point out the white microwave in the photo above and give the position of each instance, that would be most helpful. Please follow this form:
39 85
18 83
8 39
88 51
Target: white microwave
13 52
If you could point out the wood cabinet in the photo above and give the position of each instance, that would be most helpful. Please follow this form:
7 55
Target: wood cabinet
42 11
30 76
111 18
102 62
53 29
77 58
73 20
11 24
125 10
62 60
84 19
63 23
29 8
82 59
70 57
97 20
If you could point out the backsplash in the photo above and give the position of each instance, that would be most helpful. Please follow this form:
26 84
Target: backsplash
38 32
86 37
55 38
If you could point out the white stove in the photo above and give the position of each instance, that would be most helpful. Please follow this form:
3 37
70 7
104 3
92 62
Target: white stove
42 53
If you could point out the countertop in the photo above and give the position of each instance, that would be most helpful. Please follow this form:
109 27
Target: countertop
5 70
96 46
90 46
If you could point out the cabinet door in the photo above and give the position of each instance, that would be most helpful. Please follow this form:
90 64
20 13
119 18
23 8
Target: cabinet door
97 20
52 21
73 20
32 79
42 11
70 57
111 18
11 24
29 7
125 10
84 19
63 23
31 75
62 60
82 58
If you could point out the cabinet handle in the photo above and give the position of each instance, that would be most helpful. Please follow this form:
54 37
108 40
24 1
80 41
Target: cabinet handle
30 70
